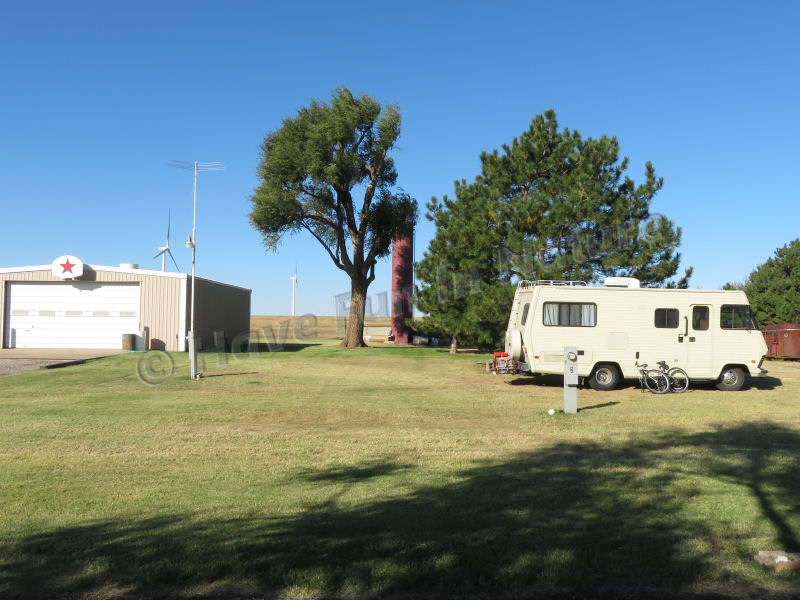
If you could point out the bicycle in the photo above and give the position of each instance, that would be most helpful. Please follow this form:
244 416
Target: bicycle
678 378
654 380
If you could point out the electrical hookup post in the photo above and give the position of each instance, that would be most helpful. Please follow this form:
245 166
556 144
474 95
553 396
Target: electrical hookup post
570 380
194 371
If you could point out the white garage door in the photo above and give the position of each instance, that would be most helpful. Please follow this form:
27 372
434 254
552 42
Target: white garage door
70 315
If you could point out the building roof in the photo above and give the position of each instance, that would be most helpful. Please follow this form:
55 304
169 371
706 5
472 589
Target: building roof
145 272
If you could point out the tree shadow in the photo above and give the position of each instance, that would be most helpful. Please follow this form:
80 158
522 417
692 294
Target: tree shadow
611 518
353 474
762 458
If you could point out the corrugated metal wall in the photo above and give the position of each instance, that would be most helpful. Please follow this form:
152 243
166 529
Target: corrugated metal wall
161 313
160 301
219 307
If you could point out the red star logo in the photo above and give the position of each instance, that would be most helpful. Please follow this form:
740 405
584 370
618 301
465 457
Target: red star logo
67 266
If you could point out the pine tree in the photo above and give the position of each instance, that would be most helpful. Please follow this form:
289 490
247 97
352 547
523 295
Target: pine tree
773 288
464 278
572 213
550 205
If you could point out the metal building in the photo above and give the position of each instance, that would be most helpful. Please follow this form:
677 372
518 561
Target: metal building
783 340
71 305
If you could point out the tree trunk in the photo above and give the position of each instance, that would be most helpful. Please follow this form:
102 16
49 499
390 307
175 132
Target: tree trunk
354 330
453 345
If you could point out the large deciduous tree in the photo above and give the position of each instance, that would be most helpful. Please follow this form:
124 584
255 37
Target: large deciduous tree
773 288
328 172
550 205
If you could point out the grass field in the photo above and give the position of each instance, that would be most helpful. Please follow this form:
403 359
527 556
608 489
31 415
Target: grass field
322 472
298 329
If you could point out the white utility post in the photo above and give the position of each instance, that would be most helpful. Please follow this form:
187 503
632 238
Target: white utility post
570 380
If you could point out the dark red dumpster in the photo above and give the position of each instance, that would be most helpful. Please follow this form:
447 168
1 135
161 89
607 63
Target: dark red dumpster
783 340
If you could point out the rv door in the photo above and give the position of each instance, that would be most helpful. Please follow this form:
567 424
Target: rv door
699 342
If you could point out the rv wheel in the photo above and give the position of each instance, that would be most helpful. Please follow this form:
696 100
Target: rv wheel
731 380
604 378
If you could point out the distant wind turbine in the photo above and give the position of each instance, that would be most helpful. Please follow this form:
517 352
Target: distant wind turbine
294 284
164 250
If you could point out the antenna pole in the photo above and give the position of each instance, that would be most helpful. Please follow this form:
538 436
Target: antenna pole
192 339
192 243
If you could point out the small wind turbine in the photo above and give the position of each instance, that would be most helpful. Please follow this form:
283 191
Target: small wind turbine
294 284
164 250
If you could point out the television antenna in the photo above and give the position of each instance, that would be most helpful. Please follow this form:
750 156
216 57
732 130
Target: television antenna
294 284
191 243
164 250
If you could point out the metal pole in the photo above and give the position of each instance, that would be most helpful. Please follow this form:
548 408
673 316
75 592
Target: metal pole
194 238
192 345
294 283
191 243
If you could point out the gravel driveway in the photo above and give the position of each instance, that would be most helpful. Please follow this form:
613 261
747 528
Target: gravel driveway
10 366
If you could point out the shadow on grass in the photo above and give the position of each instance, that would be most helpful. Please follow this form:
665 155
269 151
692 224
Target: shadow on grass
752 383
608 521
758 383
594 406
206 376
354 474
763 383
771 475
266 348
545 380
557 381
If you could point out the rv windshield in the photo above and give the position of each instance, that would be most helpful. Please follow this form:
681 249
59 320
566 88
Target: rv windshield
737 316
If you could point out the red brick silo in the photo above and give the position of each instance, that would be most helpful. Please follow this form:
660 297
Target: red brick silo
402 287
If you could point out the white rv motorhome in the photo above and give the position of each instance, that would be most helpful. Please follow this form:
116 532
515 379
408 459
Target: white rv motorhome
711 334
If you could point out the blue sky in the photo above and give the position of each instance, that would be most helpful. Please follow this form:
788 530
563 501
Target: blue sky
97 97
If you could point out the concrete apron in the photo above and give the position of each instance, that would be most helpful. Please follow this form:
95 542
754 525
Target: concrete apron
60 354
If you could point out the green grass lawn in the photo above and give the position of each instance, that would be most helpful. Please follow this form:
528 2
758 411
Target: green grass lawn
322 472
292 328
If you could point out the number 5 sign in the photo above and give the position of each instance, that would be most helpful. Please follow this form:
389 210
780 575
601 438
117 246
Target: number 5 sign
570 380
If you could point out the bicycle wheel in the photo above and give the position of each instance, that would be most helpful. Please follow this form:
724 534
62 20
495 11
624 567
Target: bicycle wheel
656 381
678 380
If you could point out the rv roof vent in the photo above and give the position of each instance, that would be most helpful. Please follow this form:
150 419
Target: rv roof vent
128 266
626 282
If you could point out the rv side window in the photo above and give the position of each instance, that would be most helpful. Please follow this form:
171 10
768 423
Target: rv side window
700 318
666 318
570 314
525 310
737 316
